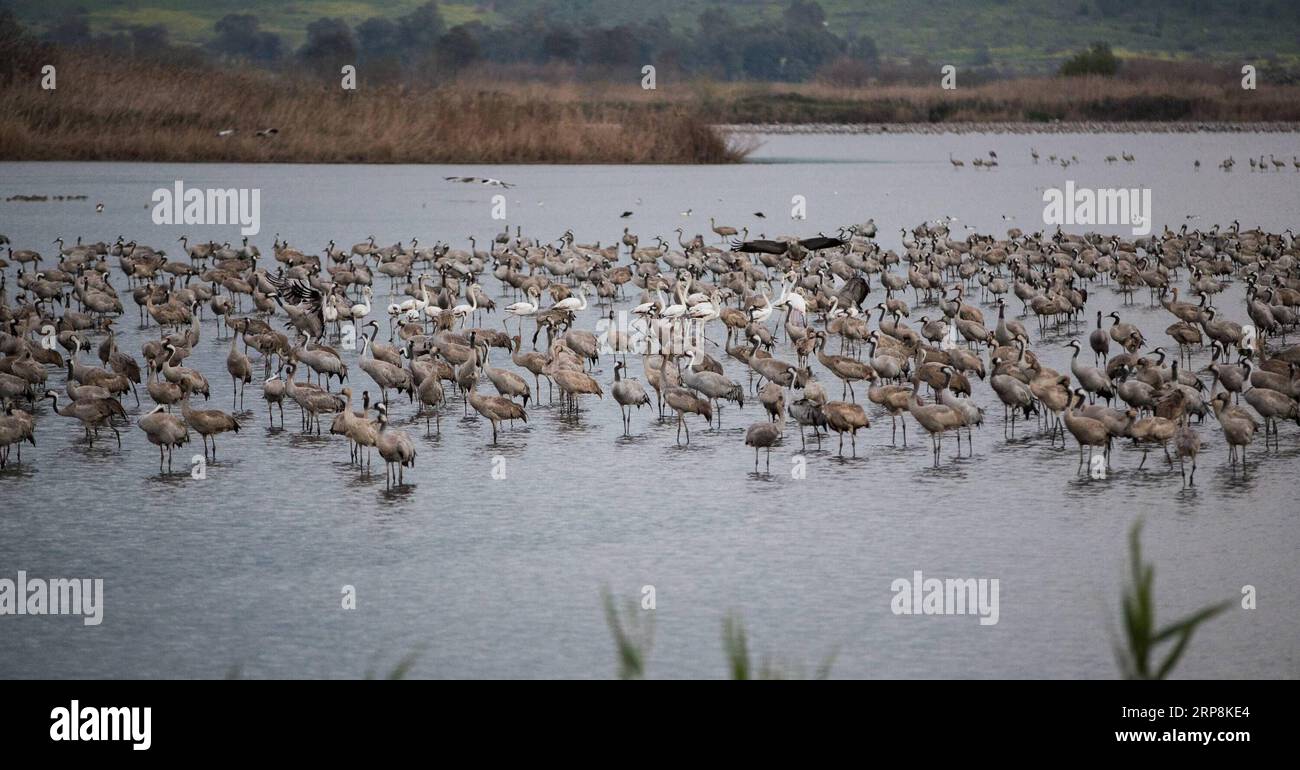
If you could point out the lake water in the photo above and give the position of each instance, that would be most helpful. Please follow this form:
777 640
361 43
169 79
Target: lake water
481 577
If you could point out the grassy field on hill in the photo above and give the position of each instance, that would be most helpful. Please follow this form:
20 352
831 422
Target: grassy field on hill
1021 35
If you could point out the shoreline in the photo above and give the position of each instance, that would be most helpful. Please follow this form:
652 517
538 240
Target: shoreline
1018 127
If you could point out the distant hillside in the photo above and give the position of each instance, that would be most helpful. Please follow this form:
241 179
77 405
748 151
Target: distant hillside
1021 36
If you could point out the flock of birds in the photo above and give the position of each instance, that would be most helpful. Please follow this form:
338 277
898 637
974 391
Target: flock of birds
800 315
1260 164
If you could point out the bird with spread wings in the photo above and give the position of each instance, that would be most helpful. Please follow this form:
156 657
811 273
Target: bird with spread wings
298 292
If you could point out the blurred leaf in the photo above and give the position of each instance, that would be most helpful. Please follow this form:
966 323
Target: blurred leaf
736 645
1139 616
632 642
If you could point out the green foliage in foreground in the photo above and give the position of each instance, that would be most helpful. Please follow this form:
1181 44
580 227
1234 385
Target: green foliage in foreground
633 633
1140 634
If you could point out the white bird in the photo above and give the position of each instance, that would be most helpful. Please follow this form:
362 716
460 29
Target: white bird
362 309
481 180
792 298
523 309
463 311
706 310
674 311
647 308
415 303
573 304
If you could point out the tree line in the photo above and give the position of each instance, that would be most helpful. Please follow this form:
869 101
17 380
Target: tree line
421 46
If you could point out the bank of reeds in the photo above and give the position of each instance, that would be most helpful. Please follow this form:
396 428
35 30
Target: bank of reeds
134 110
152 112
1032 100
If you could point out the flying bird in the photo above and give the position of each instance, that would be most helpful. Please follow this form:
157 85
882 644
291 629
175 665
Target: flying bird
821 242
489 181
760 246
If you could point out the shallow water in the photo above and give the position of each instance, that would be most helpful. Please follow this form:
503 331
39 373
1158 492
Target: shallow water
501 578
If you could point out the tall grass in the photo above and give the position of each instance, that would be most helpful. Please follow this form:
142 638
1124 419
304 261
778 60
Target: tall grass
633 632
107 109
132 110
1141 637
1081 99
1136 654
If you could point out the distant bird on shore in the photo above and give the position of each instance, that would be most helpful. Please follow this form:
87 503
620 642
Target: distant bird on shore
99 208
226 132
489 181
686 213
625 215
760 215
268 132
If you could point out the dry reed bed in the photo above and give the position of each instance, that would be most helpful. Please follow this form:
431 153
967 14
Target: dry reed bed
1024 100
153 113
1088 99
136 111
